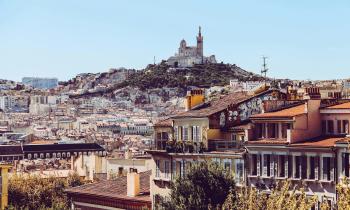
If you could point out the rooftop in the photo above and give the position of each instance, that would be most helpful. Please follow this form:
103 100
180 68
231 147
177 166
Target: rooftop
284 113
345 105
115 189
164 123
218 105
322 141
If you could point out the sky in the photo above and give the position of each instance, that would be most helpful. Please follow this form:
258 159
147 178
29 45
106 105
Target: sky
302 39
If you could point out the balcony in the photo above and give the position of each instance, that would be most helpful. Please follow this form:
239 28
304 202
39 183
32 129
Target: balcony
184 147
223 145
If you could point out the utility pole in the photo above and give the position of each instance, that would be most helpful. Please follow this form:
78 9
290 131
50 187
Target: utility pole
154 60
264 68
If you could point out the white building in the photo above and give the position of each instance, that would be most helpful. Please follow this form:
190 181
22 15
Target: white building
189 55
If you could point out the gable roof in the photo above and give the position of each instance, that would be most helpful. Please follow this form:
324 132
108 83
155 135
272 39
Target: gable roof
218 105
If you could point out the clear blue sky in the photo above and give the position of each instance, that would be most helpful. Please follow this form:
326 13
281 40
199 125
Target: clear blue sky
304 39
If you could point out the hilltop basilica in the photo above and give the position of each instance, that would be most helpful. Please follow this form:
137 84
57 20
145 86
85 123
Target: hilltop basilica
189 55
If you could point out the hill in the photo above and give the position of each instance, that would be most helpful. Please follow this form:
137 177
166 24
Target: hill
158 76
201 75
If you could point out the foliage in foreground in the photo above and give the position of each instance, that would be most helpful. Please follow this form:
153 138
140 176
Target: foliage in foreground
35 192
206 184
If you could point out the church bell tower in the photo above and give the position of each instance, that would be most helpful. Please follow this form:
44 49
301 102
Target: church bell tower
200 44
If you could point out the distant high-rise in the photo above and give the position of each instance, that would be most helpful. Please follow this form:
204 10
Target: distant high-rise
41 83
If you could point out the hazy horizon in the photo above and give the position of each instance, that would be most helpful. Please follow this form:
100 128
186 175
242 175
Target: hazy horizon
303 40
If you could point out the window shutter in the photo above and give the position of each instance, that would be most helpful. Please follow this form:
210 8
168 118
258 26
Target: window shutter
286 165
317 167
258 163
264 165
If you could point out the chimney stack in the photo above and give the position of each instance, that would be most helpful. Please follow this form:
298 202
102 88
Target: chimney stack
133 184
194 98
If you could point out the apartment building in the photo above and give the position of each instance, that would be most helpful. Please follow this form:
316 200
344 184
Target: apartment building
212 131
261 139
305 142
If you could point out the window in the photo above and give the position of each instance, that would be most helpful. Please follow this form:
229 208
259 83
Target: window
327 168
255 163
185 134
260 130
195 133
183 170
239 167
267 165
312 167
167 169
227 164
173 169
339 128
297 171
330 126
272 129
175 133
159 136
345 126
303 164
282 166
285 127
157 168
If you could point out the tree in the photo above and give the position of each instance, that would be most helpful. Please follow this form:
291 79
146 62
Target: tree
343 200
204 186
283 197
34 192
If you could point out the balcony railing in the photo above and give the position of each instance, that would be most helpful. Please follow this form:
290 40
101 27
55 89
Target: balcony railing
184 147
221 145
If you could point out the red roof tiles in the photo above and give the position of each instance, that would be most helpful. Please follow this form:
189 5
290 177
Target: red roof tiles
284 113
115 189
322 141
340 106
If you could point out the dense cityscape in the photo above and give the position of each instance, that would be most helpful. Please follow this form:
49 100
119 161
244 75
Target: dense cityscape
185 132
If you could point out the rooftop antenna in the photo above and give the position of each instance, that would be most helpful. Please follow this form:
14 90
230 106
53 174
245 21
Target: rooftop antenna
264 68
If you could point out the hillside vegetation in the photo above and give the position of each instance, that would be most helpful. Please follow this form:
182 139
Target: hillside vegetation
162 75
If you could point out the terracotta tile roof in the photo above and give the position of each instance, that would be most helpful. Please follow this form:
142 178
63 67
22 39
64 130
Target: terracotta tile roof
344 140
267 141
340 106
164 123
215 106
115 189
322 141
284 113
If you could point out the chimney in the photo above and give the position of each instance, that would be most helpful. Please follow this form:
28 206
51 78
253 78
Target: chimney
133 184
194 98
